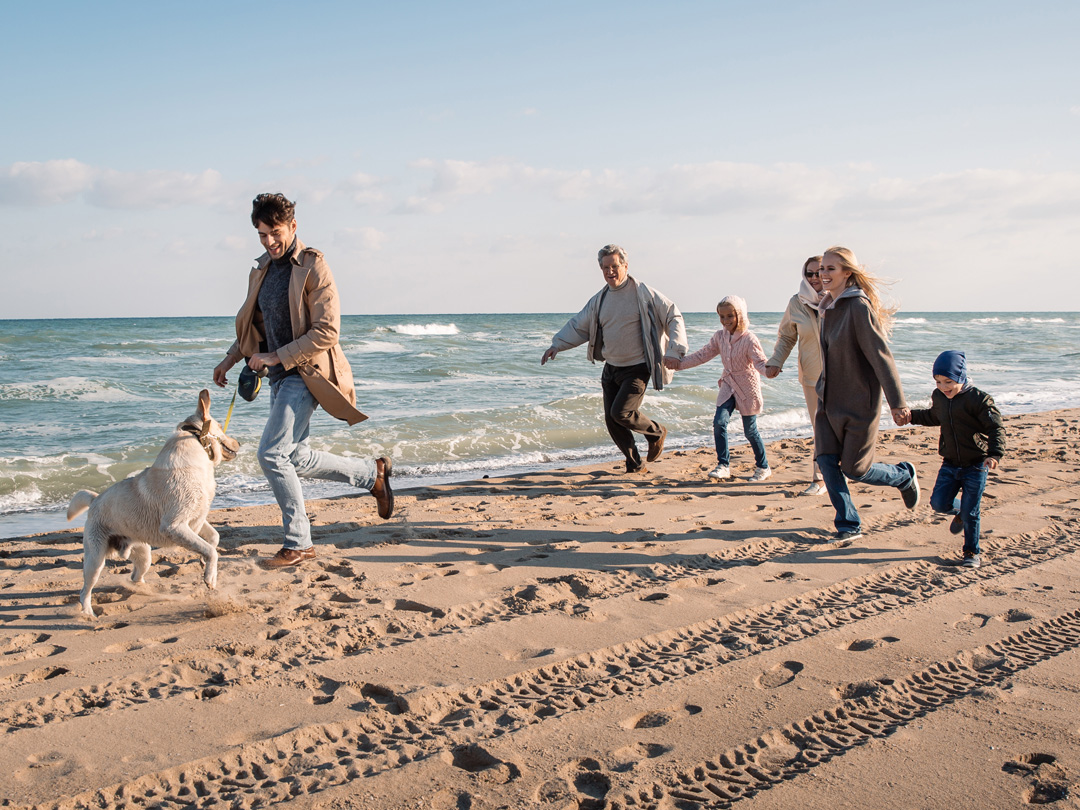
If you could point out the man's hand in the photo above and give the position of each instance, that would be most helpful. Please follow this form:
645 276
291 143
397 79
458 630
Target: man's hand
772 372
990 463
221 369
901 416
672 363
261 360
549 355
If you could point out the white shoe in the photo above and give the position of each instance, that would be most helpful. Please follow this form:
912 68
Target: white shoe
719 472
815 488
760 474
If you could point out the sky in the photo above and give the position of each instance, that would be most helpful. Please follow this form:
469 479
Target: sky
474 156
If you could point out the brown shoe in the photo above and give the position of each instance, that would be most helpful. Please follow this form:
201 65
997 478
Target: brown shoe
383 492
288 557
656 446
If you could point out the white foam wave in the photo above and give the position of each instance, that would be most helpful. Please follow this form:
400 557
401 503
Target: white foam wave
910 320
66 388
425 329
113 359
20 499
374 347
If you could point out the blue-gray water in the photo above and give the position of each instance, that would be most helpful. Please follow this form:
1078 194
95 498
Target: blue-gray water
86 402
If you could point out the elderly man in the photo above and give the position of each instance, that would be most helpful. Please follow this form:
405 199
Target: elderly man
632 328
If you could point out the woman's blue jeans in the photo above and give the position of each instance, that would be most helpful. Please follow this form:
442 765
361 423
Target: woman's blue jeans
880 475
750 431
970 483
286 456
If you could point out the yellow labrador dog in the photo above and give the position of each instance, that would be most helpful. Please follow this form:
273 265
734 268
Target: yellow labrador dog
164 505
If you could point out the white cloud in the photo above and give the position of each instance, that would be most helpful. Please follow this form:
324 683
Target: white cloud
48 183
361 188
59 181
370 239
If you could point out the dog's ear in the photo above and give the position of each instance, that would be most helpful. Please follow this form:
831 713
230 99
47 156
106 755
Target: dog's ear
204 405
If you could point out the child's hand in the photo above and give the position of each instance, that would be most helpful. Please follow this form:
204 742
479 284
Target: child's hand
671 363
990 464
901 416
772 371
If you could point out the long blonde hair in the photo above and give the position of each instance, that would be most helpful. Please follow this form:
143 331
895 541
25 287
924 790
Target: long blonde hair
867 282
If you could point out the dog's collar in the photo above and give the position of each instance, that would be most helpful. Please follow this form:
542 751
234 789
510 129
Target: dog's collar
204 437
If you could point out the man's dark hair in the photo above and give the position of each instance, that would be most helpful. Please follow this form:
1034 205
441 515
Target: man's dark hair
273 209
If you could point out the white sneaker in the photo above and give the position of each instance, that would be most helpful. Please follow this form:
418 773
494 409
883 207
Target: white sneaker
815 488
719 472
760 474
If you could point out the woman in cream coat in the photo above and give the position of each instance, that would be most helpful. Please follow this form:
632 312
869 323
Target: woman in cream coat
800 325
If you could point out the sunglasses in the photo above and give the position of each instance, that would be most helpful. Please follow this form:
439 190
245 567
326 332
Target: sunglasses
812 273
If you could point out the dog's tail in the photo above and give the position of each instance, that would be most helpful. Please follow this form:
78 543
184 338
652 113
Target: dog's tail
80 503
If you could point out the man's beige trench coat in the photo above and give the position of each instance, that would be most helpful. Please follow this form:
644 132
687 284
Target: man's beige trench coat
315 312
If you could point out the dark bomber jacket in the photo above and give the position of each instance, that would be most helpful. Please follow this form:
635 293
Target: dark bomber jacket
971 428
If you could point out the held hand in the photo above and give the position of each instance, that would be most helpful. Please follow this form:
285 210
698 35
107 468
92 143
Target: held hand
221 369
772 372
549 355
990 464
901 416
671 363
262 360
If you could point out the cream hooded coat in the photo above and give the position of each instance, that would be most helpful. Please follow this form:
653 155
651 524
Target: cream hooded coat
800 325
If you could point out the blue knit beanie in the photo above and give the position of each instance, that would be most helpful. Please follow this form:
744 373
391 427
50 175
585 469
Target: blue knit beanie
952 365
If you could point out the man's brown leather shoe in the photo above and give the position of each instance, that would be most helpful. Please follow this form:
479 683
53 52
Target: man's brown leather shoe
288 557
383 492
656 446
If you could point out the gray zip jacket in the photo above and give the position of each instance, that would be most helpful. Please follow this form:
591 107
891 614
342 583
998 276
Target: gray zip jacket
663 332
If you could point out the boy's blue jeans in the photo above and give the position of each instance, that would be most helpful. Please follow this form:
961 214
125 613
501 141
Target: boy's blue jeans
286 456
880 475
749 429
970 482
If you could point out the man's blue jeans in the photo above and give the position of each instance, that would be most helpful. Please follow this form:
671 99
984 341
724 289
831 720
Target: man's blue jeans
970 482
286 456
880 475
749 429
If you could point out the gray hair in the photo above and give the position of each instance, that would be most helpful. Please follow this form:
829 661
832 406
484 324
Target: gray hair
612 250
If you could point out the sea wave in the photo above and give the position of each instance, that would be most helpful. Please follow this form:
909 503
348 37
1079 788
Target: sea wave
905 321
79 389
425 329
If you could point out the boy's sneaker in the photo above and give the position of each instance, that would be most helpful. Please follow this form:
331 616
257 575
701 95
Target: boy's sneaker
719 472
847 536
760 474
815 488
957 524
910 493
971 560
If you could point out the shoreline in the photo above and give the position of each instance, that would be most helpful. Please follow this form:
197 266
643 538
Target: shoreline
567 638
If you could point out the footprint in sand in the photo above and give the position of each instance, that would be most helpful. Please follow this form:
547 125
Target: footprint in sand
475 759
1015 615
972 621
864 644
779 675
628 757
657 719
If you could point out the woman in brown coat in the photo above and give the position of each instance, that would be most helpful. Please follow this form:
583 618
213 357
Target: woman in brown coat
857 367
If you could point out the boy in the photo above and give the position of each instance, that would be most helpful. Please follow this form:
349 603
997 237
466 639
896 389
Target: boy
972 442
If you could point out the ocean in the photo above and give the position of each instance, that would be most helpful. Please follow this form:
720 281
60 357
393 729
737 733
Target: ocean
87 402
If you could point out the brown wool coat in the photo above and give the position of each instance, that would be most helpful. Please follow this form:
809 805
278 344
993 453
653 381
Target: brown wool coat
315 312
857 366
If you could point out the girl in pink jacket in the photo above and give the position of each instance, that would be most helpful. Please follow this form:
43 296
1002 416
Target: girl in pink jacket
740 384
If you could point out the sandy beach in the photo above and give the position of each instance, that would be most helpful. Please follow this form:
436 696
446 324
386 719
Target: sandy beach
571 639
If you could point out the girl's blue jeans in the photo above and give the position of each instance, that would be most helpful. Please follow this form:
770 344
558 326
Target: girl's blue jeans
750 431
